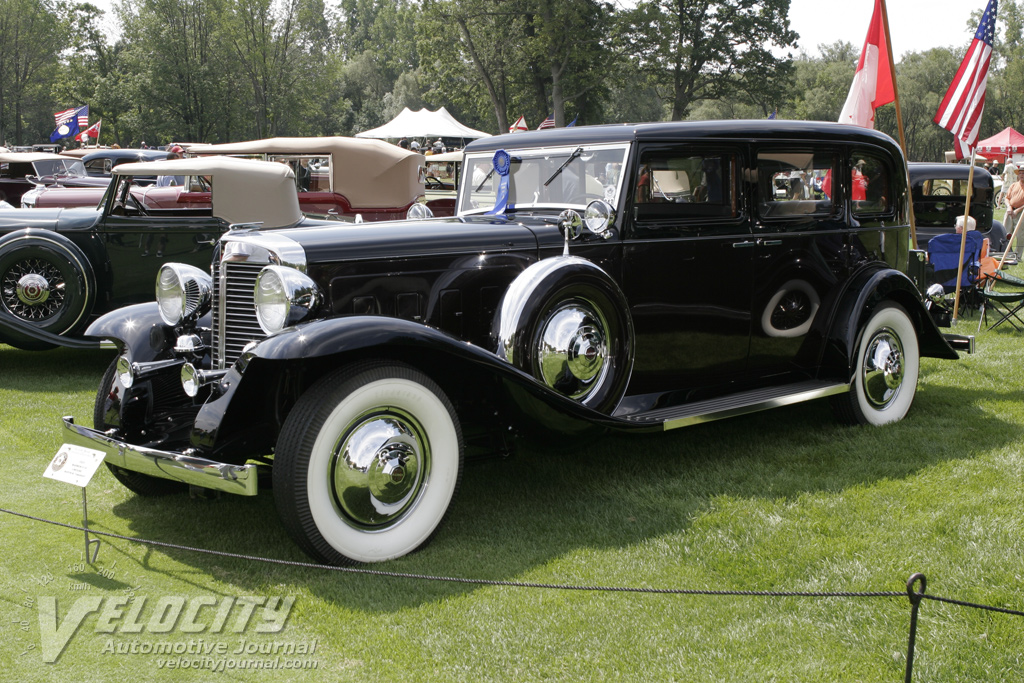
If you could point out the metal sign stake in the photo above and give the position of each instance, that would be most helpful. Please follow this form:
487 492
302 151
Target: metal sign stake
85 525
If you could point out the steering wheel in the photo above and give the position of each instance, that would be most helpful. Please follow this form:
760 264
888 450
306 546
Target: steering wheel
434 183
941 192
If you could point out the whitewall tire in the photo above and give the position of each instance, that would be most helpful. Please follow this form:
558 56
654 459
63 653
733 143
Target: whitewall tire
886 370
367 464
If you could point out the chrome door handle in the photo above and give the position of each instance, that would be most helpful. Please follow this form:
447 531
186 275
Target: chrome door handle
772 243
743 245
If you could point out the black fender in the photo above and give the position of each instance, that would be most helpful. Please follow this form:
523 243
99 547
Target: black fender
139 331
864 293
997 236
242 415
80 275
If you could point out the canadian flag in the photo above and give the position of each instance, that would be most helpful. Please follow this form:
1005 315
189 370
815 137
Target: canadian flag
873 84
92 131
518 126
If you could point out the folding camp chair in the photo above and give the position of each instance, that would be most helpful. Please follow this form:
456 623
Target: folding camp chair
944 256
1008 305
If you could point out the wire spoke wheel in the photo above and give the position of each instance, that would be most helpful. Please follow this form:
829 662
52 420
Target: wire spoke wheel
34 289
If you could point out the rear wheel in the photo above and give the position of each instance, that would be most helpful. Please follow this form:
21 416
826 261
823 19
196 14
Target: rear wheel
367 464
886 371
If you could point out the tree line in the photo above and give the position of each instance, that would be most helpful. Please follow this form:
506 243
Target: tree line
226 70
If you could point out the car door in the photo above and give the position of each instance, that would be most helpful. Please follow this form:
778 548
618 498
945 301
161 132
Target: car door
687 257
138 240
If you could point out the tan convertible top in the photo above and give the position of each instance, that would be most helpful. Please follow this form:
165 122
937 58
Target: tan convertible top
244 190
28 157
370 173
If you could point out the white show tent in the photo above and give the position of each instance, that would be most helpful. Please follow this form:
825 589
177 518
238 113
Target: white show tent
423 124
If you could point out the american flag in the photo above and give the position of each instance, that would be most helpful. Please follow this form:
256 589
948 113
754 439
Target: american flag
960 111
549 122
66 115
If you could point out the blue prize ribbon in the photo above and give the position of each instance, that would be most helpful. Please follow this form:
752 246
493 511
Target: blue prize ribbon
502 163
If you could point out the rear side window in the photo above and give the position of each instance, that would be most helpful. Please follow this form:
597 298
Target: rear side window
795 182
870 184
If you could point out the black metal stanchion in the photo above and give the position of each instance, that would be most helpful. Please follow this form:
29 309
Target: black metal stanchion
915 603
95 542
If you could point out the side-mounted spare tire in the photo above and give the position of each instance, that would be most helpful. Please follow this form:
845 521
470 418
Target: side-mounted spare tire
46 282
567 323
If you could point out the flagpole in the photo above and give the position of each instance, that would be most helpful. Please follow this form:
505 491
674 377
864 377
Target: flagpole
899 120
963 235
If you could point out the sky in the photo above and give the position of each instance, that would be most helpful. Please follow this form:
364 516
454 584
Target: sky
915 25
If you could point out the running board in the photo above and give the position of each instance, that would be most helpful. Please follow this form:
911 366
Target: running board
737 404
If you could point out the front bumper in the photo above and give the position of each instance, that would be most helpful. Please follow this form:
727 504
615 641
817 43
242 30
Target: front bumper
188 469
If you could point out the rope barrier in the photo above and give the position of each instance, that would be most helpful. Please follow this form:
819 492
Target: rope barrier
916 585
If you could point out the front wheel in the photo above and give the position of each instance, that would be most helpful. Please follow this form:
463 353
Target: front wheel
367 464
46 284
886 371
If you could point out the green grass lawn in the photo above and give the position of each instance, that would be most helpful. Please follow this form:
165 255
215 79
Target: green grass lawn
785 500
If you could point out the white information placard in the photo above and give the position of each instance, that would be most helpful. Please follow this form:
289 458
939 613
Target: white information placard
74 465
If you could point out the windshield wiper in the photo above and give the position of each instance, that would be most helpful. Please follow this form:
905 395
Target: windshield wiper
484 181
575 153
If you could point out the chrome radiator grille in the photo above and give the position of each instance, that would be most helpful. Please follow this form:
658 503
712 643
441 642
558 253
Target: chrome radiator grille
234 311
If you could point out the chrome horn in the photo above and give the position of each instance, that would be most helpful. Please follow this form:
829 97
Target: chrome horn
193 379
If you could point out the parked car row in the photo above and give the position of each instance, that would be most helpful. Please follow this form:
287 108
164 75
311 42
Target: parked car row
631 278
104 251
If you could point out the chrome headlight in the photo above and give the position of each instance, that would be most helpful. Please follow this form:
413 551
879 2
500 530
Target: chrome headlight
598 217
284 297
182 291
419 211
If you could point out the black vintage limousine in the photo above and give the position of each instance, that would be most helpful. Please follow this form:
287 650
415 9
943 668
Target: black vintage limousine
636 278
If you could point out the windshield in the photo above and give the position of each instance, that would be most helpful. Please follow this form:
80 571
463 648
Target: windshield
546 178
66 167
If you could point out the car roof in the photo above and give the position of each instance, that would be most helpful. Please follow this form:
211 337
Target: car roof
932 169
736 129
444 158
370 173
28 157
140 154
244 190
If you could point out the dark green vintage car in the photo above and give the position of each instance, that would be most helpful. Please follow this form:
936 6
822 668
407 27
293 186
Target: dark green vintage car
61 268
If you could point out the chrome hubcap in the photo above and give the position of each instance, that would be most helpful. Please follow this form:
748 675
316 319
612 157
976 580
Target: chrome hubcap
378 468
572 351
883 369
33 289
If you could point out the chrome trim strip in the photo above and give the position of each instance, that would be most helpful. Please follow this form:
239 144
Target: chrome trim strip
222 310
768 404
188 469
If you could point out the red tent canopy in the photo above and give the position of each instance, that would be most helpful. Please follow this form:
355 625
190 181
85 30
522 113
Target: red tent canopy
1008 141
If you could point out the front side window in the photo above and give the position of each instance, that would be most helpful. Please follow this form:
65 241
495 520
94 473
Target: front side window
545 178
686 183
